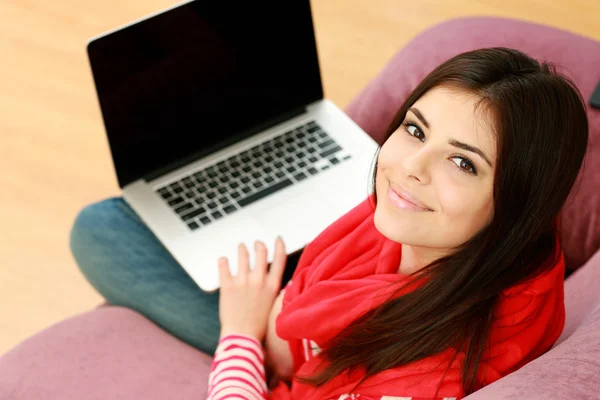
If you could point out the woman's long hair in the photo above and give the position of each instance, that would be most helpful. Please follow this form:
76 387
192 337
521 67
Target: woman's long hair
541 131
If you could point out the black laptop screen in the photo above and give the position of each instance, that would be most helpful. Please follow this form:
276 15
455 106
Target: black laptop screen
199 77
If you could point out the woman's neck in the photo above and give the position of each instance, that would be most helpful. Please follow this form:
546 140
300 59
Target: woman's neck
414 258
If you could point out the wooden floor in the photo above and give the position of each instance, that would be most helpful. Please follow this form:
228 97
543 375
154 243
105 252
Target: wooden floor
54 155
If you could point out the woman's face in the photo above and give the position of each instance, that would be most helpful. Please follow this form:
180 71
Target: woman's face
454 184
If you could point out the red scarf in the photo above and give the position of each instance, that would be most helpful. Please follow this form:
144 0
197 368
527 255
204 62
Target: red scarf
334 283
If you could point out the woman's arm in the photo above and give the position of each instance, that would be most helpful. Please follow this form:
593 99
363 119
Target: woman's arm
238 369
279 359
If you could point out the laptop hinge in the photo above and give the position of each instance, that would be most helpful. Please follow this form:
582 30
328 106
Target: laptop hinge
234 139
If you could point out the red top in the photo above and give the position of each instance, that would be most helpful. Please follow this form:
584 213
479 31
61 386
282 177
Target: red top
334 283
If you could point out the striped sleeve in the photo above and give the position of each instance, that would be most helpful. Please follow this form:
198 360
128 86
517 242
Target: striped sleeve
238 370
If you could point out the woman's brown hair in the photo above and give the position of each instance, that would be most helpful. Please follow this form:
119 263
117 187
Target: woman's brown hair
541 132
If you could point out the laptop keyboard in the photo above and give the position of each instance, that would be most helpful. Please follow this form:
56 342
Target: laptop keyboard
229 185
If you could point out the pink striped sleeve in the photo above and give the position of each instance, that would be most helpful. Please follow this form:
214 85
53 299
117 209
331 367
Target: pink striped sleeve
238 370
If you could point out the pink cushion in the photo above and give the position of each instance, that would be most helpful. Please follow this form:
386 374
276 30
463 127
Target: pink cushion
108 353
570 370
375 107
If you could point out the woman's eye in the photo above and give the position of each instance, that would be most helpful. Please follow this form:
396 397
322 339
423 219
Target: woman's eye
462 163
414 131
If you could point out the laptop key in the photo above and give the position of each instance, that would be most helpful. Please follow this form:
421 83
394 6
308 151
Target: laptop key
265 192
279 174
235 195
257 184
217 214
176 201
193 225
268 179
229 209
234 184
194 213
299 176
205 220
235 174
189 194
246 189
213 184
313 159
183 208
177 190
312 170
245 179
212 205
223 200
247 169
334 160
222 189
326 143
211 195
235 164
330 151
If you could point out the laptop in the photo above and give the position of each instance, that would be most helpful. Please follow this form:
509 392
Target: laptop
219 131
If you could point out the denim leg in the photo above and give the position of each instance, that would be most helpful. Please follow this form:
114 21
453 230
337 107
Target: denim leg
126 263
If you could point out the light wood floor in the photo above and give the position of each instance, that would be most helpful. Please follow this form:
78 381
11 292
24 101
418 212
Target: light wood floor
54 155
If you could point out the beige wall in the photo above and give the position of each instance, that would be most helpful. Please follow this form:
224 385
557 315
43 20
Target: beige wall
55 157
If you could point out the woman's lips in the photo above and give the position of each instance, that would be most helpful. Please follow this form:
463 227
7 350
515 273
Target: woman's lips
402 203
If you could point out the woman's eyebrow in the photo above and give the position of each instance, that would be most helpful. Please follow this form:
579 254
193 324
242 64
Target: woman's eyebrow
453 142
419 116
470 148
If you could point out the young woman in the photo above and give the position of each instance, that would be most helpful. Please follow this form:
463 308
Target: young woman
446 278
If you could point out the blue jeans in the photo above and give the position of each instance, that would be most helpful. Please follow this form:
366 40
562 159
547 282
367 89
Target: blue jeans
125 263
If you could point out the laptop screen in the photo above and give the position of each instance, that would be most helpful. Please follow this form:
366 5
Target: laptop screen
199 77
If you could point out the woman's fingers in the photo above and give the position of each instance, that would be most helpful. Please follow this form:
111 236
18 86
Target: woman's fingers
224 272
260 263
260 267
243 260
279 261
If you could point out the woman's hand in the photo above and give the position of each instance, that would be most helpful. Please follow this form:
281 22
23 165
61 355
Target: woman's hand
247 298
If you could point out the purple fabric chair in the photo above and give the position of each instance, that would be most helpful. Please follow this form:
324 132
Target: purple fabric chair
116 353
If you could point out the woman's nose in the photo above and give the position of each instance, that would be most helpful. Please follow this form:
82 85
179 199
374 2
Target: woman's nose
418 166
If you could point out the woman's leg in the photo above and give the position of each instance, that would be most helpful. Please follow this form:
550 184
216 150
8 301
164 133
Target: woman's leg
127 264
